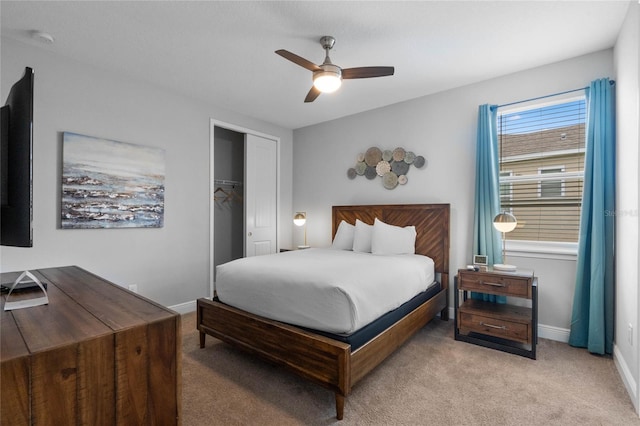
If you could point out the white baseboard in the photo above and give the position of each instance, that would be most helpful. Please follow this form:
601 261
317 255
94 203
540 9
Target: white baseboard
553 333
184 308
452 313
627 378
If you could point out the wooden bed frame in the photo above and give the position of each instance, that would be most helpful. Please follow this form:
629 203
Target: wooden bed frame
326 361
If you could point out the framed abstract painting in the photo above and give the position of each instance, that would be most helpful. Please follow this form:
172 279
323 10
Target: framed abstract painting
110 184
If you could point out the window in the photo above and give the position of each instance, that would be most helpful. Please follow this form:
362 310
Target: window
506 190
542 169
550 187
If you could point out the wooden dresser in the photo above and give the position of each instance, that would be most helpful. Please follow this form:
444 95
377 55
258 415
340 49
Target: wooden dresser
97 354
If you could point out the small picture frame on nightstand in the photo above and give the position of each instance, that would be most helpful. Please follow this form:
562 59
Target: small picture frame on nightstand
480 260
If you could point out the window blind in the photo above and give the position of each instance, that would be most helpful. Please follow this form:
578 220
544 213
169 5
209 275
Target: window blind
542 169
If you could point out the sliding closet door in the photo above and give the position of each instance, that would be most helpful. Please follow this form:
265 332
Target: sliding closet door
261 166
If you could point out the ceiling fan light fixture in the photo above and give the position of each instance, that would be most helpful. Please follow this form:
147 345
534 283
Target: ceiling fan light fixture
327 82
328 79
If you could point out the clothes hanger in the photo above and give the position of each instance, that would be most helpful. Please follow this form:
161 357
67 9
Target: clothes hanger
220 198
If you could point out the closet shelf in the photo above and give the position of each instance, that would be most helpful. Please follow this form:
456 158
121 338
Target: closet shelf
227 182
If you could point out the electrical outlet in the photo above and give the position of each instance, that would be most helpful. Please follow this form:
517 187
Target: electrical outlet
630 334
133 288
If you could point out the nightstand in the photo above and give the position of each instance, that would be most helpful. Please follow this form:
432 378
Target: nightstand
508 327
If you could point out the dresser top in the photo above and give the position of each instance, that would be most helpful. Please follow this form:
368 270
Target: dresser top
526 273
82 306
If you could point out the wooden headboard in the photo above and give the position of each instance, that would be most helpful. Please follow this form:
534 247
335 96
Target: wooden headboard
431 222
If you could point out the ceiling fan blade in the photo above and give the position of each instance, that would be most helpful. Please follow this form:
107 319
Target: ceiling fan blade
366 72
312 95
298 60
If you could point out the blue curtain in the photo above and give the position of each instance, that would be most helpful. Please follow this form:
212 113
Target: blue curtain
592 315
486 239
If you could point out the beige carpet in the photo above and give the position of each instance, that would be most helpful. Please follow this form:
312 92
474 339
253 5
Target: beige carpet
431 380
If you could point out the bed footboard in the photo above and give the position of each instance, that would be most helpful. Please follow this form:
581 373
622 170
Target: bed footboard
317 358
322 360
371 354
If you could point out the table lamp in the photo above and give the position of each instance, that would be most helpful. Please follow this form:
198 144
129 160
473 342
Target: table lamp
504 222
300 219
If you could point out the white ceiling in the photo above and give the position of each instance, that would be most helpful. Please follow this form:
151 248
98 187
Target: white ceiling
223 52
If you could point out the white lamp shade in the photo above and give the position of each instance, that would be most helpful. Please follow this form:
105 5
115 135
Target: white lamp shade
327 81
300 219
505 222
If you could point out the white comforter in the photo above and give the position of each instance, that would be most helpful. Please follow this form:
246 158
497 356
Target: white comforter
331 290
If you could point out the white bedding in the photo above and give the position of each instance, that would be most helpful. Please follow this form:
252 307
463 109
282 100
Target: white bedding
337 291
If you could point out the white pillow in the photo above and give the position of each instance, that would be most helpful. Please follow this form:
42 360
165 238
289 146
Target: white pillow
390 239
362 237
344 236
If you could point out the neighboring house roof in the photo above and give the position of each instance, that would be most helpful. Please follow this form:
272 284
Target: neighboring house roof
566 139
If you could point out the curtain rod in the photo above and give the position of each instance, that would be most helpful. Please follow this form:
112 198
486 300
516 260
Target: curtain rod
611 82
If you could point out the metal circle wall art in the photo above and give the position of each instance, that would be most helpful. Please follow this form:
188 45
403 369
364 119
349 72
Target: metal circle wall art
373 156
390 165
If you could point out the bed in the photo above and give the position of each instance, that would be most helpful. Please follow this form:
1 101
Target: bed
322 357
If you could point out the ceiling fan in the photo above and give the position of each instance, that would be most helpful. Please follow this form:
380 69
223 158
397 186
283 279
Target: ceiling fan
328 77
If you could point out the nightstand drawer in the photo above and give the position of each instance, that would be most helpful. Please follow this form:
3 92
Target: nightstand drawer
494 327
495 284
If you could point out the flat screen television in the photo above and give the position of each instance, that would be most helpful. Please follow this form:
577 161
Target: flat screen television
16 165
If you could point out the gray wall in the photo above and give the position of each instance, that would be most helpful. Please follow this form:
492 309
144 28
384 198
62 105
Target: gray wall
171 264
441 127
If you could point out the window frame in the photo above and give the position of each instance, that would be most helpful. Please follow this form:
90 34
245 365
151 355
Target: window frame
541 249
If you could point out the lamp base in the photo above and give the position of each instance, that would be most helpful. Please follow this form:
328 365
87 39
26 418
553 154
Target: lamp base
503 267
303 247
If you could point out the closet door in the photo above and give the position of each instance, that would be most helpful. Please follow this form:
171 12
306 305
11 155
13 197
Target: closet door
261 161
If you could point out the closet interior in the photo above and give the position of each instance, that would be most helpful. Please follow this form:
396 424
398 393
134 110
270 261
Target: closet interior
228 190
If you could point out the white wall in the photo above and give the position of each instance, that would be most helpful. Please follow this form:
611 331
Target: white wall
171 264
626 53
441 127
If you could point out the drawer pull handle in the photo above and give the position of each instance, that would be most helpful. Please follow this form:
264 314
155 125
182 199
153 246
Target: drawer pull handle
493 284
501 327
